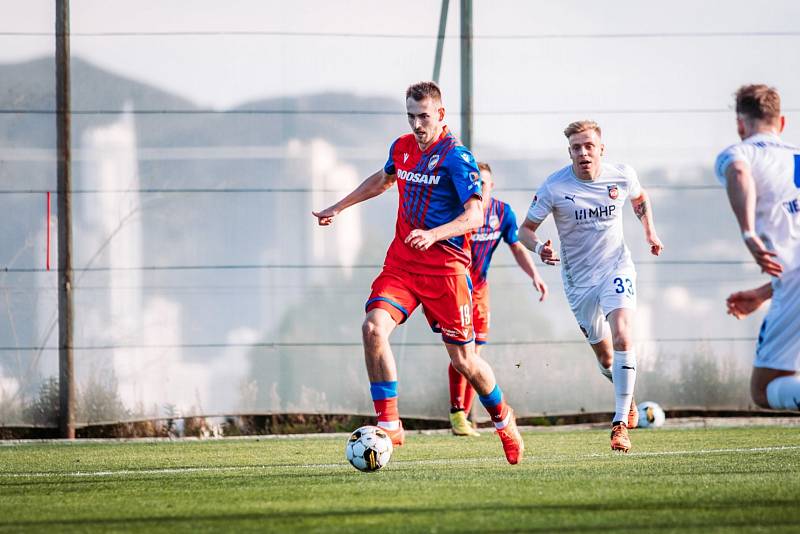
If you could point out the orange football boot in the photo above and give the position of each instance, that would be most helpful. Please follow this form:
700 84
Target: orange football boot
619 437
398 436
511 439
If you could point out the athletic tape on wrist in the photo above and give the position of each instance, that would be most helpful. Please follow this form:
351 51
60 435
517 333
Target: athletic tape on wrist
538 248
747 234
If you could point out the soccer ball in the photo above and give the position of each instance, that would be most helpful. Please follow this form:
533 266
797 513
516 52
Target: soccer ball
368 448
651 415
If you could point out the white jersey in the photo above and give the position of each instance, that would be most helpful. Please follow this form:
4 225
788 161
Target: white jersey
588 216
775 167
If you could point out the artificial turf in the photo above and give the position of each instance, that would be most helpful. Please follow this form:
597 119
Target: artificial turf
682 480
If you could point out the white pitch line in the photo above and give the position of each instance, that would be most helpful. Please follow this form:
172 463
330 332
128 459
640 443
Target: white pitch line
163 471
343 465
713 451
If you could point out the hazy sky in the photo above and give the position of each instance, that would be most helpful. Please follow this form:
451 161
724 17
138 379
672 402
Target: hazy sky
577 74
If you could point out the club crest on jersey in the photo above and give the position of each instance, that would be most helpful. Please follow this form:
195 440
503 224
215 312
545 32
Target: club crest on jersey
405 157
494 221
433 161
613 191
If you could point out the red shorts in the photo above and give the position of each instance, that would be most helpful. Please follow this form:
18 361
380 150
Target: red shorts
480 312
446 301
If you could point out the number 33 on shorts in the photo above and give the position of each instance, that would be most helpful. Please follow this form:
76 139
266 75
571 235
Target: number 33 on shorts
623 285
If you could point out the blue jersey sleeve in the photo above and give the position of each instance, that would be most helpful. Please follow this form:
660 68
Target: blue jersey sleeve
389 168
464 173
509 229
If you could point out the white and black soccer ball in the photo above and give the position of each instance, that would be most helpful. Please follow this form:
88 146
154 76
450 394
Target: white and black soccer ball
368 448
651 415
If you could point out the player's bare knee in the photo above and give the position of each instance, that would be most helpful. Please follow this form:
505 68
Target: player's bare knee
758 388
623 341
759 395
463 363
372 332
605 358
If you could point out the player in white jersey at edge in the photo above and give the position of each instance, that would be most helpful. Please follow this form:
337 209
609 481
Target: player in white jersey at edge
762 178
586 199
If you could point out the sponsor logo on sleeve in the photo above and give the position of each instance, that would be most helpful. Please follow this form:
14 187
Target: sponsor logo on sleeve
465 157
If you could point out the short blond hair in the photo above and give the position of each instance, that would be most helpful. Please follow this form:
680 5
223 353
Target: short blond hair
582 126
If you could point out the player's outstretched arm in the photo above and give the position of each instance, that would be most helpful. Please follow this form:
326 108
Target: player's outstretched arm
527 236
743 303
371 187
742 195
642 209
526 264
471 219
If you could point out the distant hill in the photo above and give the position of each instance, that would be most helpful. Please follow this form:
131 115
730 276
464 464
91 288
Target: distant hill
31 86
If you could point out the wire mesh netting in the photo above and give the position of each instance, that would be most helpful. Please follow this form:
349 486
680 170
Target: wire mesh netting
203 284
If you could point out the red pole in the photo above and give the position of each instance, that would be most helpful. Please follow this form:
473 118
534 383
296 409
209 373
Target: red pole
48 230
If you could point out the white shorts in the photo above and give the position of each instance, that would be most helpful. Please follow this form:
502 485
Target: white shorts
591 305
779 339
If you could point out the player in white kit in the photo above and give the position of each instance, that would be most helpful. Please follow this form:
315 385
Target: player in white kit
586 199
762 178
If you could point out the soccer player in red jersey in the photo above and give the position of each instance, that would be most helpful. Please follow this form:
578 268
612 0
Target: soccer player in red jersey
499 222
427 263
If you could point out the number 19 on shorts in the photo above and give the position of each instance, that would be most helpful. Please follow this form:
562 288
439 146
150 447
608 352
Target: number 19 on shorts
466 314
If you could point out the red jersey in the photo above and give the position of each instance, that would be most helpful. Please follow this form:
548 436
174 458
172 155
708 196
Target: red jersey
433 187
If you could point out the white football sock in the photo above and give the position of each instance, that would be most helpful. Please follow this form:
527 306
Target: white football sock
623 372
389 425
605 371
783 393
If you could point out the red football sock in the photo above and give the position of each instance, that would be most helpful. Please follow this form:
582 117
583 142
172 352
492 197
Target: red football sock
458 388
499 414
496 405
469 396
386 409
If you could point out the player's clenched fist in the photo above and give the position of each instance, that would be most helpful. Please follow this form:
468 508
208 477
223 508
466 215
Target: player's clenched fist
325 217
548 254
420 239
656 247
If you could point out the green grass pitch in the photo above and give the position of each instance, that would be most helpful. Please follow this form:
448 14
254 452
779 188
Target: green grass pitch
681 480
